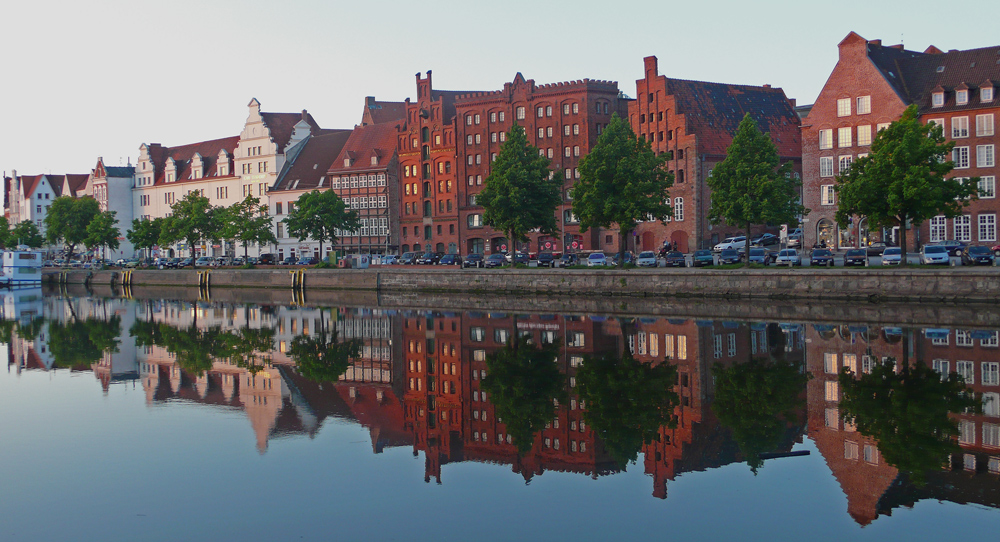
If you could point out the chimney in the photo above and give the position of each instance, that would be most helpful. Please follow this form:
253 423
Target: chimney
792 100
767 85
651 66
305 115
875 42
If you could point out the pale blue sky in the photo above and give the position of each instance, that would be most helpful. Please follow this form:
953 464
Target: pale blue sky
80 80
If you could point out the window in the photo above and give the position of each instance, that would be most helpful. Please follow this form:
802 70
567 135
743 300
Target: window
985 157
851 450
541 112
477 119
277 208
565 109
845 164
832 390
830 363
826 139
937 99
961 97
827 195
881 126
678 209
576 150
967 370
963 227
541 133
960 127
864 105
986 94
988 227
991 435
548 111
984 125
960 155
987 187
844 107
519 113
938 229
576 129
576 109
826 166
832 418
475 221
990 371
717 346
865 135
844 137
966 432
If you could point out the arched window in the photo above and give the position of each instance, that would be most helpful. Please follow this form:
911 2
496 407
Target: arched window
439 247
678 209
427 234
452 248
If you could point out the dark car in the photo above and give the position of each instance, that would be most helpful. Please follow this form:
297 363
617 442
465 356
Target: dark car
408 258
761 256
821 256
977 256
545 259
569 259
875 249
521 258
766 240
953 247
629 259
495 260
428 258
186 262
450 259
267 259
473 260
291 260
702 258
729 255
676 258
855 256
308 260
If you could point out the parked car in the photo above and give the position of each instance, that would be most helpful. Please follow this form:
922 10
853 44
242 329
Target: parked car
821 256
450 259
795 238
186 262
223 261
569 259
495 260
545 259
597 259
307 260
291 260
428 258
977 255
676 258
252 260
647 259
892 256
730 242
520 258
729 255
788 256
267 259
473 260
934 255
996 250
239 260
390 259
760 256
765 239
702 258
855 256
952 246
629 259
875 249
204 261
408 258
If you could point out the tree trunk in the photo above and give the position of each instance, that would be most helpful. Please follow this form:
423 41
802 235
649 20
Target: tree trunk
622 236
747 253
902 241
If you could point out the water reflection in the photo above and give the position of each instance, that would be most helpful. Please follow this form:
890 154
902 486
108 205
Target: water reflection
573 393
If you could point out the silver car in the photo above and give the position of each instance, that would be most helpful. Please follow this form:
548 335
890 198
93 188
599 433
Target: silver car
646 259
788 256
892 256
934 254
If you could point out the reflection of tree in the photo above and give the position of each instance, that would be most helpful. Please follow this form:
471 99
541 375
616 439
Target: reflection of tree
627 402
197 349
83 342
907 413
756 401
322 357
523 382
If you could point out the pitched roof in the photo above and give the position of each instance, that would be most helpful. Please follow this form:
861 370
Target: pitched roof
120 171
76 183
282 125
55 183
209 151
714 112
312 162
366 141
28 184
377 112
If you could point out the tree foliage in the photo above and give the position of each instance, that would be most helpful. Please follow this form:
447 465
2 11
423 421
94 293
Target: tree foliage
5 232
627 401
907 412
318 215
192 221
103 231
81 343
248 222
750 186
523 382
322 357
902 180
67 221
26 233
760 402
622 182
521 194
145 234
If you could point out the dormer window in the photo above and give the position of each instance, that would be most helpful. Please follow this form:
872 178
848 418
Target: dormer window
986 94
374 160
961 97
937 99
347 162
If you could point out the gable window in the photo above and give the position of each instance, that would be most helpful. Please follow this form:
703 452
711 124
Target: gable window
960 127
826 139
864 105
827 195
844 137
845 164
937 99
961 97
844 107
865 135
826 166
984 125
986 94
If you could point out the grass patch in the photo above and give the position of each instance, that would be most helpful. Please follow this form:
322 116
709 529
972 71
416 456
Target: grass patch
324 265
248 266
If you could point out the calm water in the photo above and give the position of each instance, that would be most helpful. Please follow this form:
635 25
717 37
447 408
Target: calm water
170 420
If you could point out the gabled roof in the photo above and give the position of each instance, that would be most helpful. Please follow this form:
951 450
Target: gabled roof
76 183
120 171
209 151
714 112
282 125
377 112
365 141
312 161
28 184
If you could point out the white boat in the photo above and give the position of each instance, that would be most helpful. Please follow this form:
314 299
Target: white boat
22 267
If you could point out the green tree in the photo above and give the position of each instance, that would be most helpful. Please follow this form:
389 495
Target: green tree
523 382
322 357
902 180
627 402
145 234
318 215
248 222
521 193
26 233
81 343
622 182
192 221
5 232
907 412
67 221
759 401
750 186
103 231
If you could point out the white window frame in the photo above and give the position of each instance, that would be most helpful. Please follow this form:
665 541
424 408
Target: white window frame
959 127
679 209
984 125
985 156
826 166
937 99
938 228
987 187
986 94
844 164
826 139
845 137
961 97
864 105
960 156
962 228
865 135
987 227
844 107
828 196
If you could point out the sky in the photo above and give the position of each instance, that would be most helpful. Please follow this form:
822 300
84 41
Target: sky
79 80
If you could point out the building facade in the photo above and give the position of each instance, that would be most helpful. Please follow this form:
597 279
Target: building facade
112 187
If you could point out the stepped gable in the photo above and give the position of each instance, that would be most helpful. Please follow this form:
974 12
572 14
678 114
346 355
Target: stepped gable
282 125
714 111
209 151
503 95
313 161
365 141
378 112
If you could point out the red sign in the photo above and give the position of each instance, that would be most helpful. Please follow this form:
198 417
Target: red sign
548 245
503 247
575 245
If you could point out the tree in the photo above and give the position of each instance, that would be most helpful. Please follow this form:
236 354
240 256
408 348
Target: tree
26 233
750 186
757 401
4 232
521 193
522 383
67 221
81 343
318 215
103 231
321 357
248 222
902 180
192 221
145 234
622 182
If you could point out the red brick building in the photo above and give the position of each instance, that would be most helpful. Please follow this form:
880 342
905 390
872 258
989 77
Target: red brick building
693 122
870 87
